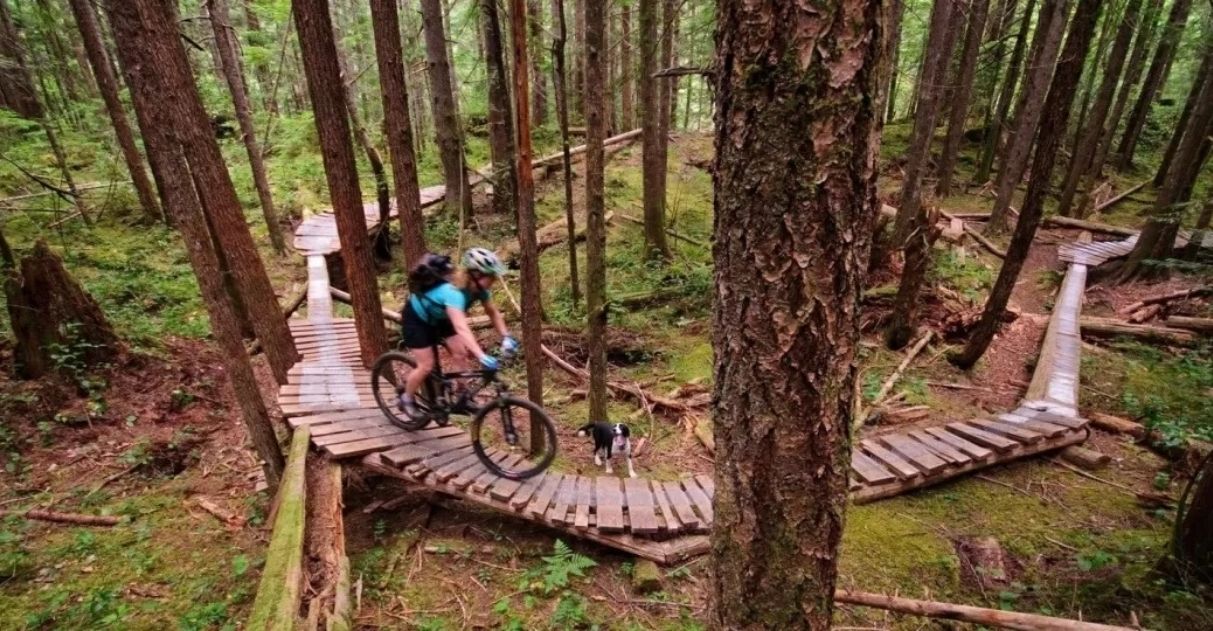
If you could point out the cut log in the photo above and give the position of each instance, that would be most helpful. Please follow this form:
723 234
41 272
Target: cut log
1203 326
64 518
977 236
229 519
965 613
1093 226
987 560
278 596
1145 313
1164 298
1108 327
646 576
1119 198
1088 459
1117 425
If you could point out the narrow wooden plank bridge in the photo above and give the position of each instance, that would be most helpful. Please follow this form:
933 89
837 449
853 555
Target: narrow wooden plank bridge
329 391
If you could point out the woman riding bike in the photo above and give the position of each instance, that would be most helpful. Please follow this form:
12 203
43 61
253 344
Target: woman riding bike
436 314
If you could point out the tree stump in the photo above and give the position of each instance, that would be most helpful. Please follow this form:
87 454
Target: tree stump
50 310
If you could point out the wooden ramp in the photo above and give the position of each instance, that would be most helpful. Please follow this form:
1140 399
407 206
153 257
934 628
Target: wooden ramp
665 520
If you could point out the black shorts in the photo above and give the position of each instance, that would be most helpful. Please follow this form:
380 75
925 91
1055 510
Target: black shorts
418 333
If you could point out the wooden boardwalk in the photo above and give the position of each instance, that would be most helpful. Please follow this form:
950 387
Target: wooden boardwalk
665 520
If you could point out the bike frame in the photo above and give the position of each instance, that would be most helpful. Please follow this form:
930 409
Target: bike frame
447 378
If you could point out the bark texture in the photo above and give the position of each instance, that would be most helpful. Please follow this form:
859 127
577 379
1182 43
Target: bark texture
233 73
107 84
1190 104
595 248
998 123
654 167
559 40
501 114
16 86
447 132
958 114
797 133
627 89
398 125
323 71
1155 77
1052 132
539 92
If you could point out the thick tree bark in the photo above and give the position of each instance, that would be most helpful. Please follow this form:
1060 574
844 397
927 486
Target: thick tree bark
501 114
960 100
1031 101
233 73
107 84
323 71
798 127
133 23
190 128
578 95
16 86
940 39
627 90
1093 124
446 124
398 126
539 92
1198 82
1194 536
559 39
654 166
595 248
1001 109
532 306
1155 77
1052 132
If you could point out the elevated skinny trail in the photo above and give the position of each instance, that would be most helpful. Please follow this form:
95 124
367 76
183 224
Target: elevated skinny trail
329 392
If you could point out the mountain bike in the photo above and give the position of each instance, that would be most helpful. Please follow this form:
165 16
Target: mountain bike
503 427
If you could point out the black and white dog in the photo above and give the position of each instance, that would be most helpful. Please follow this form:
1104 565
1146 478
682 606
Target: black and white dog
609 439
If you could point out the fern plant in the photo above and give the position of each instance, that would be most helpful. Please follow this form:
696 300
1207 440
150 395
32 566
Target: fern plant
556 570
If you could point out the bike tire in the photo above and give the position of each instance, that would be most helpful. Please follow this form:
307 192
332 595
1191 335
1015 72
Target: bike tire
536 413
386 391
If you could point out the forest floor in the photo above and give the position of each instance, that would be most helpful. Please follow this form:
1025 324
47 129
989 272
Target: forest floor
148 438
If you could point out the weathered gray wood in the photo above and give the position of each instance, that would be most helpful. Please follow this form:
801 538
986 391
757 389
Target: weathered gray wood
869 470
609 501
981 437
890 460
641 514
703 503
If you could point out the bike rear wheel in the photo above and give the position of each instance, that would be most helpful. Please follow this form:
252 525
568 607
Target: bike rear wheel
387 384
502 437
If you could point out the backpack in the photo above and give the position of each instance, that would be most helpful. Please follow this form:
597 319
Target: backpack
430 272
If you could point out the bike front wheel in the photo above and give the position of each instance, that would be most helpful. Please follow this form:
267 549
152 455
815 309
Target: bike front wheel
387 384
514 438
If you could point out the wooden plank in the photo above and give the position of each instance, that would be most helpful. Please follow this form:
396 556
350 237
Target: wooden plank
466 477
973 450
504 488
361 434
609 502
1002 428
701 500
446 456
348 426
981 437
426 439
670 521
584 501
869 470
915 452
559 511
641 514
526 491
1038 426
681 504
538 506
404 456
707 484
482 483
444 473
890 460
363 447
939 447
1071 422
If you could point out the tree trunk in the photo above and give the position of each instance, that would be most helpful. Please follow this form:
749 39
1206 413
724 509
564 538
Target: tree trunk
1155 77
52 314
1194 536
669 86
610 112
233 72
16 86
960 101
539 93
1031 102
627 91
323 71
785 219
501 114
383 194
1199 231
107 84
579 58
595 248
446 124
1052 131
562 111
895 29
398 127
190 128
532 306
1198 82
139 26
1093 124
656 246
940 38
994 130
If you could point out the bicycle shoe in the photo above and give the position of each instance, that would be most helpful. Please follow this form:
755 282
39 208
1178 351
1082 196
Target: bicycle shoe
408 407
464 405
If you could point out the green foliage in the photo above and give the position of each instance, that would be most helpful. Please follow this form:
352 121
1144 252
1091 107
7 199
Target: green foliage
969 275
556 571
1170 393
1095 560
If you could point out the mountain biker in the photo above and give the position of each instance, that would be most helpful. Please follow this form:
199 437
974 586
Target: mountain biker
436 313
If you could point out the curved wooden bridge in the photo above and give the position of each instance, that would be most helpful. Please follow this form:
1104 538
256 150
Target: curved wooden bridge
664 520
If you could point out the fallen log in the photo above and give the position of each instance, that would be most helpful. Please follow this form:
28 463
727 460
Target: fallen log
1119 198
1199 325
676 235
1108 327
229 519
703 431
966 613
280 591
580 149
1117 425
1145 313
977 236
888 384
1164 298
287 312
1088 459
1093 226
64 518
